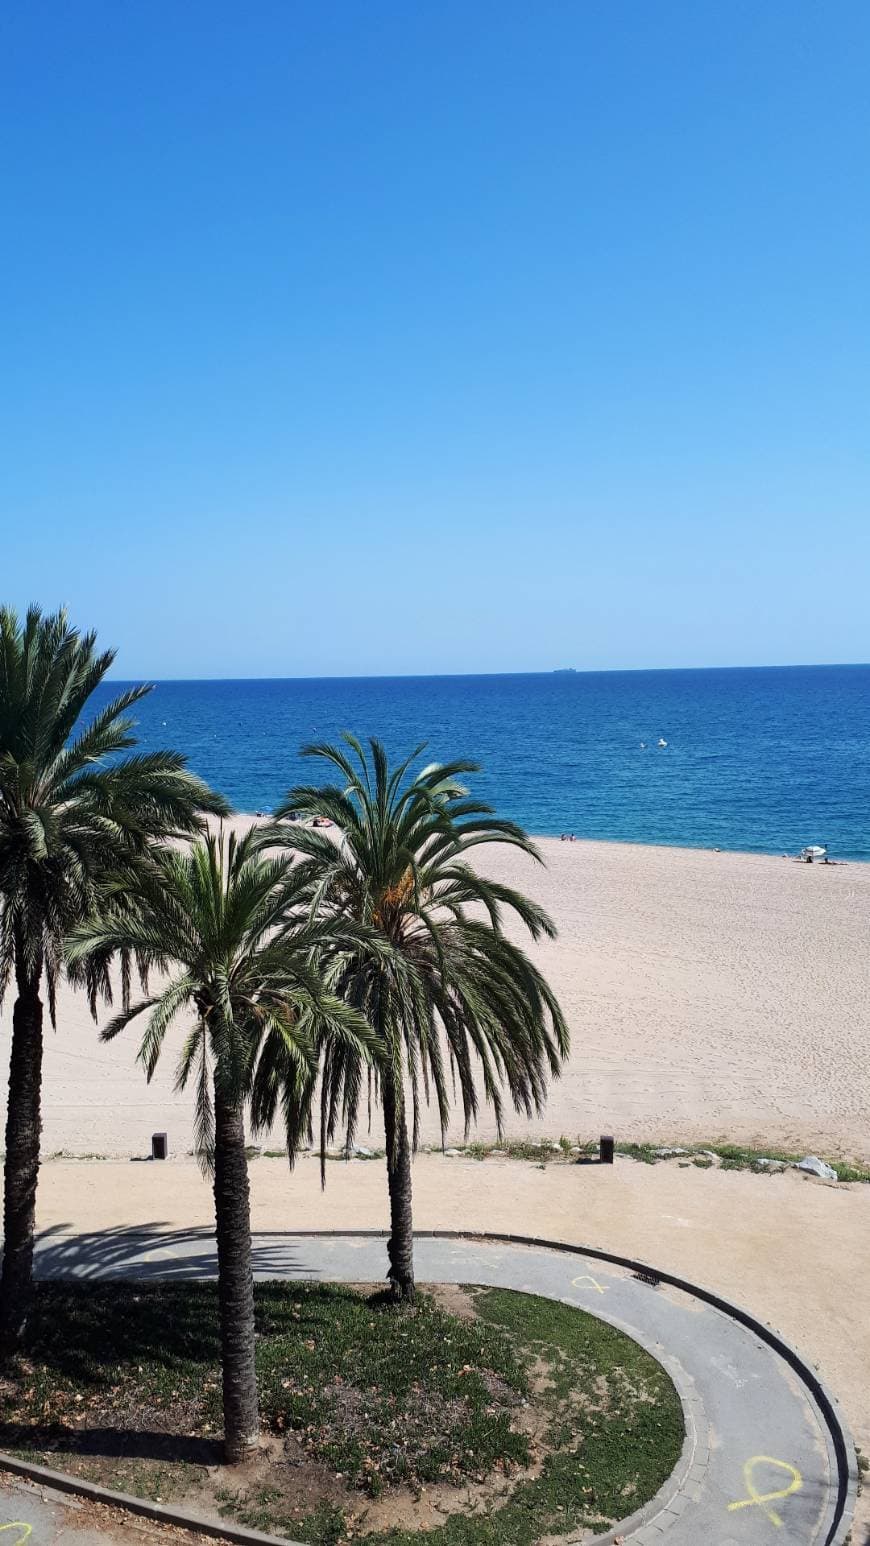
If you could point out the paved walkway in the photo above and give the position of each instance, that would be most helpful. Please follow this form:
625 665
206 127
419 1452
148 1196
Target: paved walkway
29 1517
759 1463
39 1516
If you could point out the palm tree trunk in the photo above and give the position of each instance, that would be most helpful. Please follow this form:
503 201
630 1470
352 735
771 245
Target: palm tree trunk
21 1171
400 1245
235 1282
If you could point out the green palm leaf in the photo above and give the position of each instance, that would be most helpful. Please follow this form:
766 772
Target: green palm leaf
77 811
458 1009
231 926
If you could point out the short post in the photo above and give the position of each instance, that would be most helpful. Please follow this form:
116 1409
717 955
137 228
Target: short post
159 1146
605 1150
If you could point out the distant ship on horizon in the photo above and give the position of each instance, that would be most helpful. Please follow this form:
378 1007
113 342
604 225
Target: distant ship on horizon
565 671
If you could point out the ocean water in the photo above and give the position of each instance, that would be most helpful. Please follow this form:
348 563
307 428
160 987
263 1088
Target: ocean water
765 760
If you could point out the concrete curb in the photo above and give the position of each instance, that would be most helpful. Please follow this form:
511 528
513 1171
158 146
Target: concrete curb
838 1430
633 1527
689 1471
158 1513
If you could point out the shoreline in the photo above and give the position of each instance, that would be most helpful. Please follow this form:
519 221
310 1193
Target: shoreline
836 862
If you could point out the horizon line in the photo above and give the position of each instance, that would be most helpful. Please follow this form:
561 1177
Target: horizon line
421 676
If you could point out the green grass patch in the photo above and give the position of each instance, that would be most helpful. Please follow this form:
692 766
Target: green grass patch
735 1156
527 1418
66 1154
380 1395
386 1396
541 1151
264 1508
645 1153
614 1435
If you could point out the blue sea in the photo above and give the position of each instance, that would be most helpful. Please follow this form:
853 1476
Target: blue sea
765 760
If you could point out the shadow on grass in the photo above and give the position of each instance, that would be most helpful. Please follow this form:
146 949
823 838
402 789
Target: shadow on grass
128 1321
114 1300
110 1443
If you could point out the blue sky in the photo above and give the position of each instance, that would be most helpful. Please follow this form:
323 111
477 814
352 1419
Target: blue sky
464 335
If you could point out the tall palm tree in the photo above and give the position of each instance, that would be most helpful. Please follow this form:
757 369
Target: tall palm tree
72 811
450 976
221 920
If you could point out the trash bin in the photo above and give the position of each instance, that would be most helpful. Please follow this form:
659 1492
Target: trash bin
159 1146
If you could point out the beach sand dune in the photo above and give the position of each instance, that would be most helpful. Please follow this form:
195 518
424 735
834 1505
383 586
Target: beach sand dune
709 995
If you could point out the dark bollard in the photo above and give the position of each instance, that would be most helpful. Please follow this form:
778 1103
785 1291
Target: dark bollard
159 1146
605 1151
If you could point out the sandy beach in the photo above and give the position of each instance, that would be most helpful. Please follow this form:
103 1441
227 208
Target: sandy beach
709 996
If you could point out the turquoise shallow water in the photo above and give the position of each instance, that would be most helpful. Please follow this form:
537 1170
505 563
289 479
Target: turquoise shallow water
766 759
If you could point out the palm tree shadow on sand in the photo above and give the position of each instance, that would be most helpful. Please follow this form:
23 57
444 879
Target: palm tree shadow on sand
156 1251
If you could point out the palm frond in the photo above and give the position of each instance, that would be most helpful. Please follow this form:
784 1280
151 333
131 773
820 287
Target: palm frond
452 995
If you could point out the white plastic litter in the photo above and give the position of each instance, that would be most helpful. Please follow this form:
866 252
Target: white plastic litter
817 1167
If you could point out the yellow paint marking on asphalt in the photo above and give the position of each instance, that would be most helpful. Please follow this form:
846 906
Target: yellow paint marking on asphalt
18 1524
586 1278
763 1499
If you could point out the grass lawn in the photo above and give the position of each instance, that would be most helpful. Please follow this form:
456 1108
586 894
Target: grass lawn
480 1417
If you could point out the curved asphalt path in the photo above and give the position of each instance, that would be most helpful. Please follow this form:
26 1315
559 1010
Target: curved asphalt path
759 1463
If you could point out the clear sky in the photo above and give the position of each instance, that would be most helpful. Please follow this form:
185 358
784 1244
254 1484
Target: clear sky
455 335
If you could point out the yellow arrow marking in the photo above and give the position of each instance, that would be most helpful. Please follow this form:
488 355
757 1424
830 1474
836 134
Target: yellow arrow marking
18 1524
762 1499
579 1282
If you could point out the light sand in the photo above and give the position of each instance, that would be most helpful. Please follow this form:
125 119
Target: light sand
708 995
793 1250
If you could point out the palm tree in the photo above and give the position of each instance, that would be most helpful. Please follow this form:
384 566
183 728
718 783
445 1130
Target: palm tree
450 974
221 920
72 810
